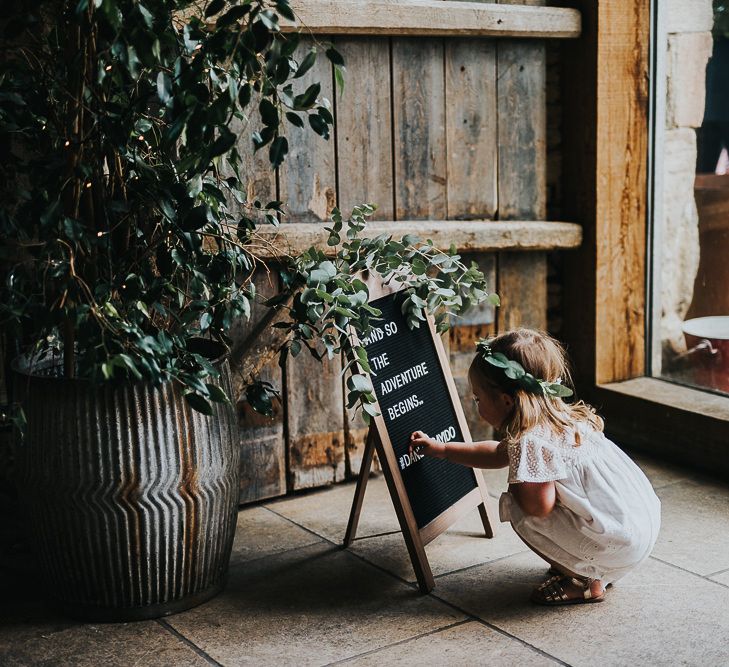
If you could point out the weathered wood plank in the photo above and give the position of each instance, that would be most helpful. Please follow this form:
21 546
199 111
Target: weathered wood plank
257 176
522 286
263 454
307 182
471 236
522 131
364 162
419 128
470 101
431 18
315 417
522 109
480 321
314 409
364 127
471 130
466 330
622 144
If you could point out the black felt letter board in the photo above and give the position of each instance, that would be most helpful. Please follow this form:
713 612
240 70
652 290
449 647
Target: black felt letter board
420 402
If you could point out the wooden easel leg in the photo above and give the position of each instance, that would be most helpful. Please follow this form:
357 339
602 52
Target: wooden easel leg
364 473
487 519
409 528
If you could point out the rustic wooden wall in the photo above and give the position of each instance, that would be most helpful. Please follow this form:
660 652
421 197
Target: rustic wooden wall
427 128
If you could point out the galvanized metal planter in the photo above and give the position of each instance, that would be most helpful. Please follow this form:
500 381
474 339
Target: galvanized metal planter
131 495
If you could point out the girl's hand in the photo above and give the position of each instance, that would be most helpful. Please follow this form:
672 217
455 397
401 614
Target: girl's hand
422 444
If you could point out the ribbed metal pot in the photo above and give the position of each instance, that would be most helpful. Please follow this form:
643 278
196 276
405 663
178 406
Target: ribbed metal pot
131 495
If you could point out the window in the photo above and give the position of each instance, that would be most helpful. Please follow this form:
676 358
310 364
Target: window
690 213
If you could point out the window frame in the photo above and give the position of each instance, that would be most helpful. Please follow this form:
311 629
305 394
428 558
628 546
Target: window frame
607 81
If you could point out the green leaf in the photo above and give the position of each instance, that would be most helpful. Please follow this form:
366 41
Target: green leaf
498 359
514 370
164 87
559 390
319 125
294 119
277 152
360 383
142 307
194 186
196 218
217 394
306 64
199 403
334 56
232 15
339 78
370 409
283 8
129 363
269 112
214 7
270 20
307 99
110 310
224 142
244 95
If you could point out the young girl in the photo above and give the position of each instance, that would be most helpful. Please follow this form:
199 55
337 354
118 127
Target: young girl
575 499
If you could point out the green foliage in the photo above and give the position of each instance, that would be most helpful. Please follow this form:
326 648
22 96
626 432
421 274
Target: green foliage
330 303
124 218
515 371
125 223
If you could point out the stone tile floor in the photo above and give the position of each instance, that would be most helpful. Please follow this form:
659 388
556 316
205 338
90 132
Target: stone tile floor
296 598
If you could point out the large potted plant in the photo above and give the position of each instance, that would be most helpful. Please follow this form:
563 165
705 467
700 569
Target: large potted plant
128 252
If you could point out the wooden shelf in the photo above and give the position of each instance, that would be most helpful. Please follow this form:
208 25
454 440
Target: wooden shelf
467 235
432 18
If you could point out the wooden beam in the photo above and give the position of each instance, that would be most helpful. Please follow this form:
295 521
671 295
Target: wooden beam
431 17
467 236
605 149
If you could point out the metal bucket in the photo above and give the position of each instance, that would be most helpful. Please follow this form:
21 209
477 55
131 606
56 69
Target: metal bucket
131 496
707 339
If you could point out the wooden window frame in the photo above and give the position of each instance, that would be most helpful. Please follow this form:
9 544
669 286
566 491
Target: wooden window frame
606 84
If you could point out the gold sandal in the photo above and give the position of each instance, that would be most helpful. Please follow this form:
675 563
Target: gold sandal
552 591
554 572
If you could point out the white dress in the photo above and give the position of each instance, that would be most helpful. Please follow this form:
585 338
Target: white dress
606 517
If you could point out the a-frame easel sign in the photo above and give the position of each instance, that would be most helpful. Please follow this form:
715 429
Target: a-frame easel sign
415 390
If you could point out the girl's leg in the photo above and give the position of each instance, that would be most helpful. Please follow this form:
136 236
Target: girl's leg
596 587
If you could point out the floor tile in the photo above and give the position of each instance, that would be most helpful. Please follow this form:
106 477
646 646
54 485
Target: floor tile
122 645
326 512
33 632
722 578
464 644
657 615
260 532
694 520
310 606
463 545
496 481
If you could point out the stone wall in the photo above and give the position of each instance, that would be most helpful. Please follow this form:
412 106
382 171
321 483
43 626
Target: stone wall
687 42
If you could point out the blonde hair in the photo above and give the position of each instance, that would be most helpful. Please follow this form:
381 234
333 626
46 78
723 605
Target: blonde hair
543 357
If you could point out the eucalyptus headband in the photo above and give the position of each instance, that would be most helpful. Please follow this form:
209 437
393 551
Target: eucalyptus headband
515 371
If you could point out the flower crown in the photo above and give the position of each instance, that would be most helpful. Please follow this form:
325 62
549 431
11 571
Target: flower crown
515 371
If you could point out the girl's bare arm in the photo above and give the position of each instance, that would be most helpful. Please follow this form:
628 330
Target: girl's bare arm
534 498
484 454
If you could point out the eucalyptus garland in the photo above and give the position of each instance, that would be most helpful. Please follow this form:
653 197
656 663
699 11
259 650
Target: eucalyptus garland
515 371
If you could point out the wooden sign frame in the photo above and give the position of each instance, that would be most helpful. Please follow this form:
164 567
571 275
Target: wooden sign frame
378 440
